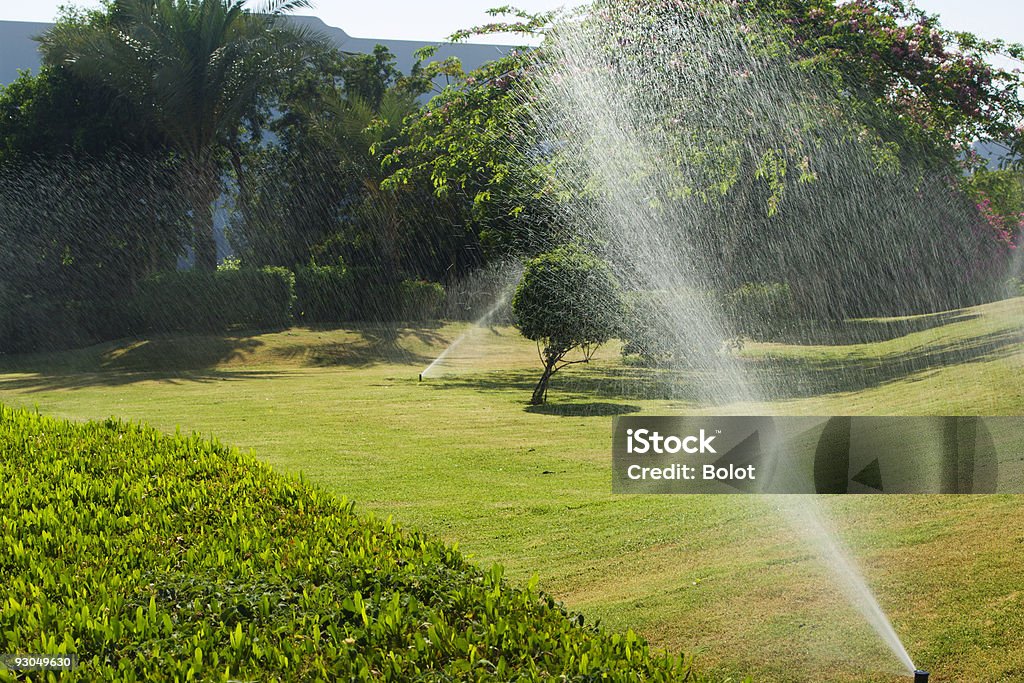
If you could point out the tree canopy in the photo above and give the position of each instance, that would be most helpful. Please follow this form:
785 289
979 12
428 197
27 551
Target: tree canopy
196 68
870 96
567 299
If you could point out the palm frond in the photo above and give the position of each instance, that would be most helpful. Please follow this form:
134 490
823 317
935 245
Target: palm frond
278 7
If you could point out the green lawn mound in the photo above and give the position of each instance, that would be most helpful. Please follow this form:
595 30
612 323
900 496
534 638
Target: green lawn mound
161 557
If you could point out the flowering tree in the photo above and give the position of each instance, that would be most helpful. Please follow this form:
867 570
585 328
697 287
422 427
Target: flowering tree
938 85
999 197
935 91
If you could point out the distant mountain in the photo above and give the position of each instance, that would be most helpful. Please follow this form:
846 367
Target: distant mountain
18 50
994 154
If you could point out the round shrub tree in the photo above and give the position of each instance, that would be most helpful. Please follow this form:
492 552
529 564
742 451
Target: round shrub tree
567 299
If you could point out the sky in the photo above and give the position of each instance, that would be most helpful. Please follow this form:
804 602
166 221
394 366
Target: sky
436 19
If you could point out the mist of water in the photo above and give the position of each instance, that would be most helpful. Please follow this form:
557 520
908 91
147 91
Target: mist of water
806 517
438 364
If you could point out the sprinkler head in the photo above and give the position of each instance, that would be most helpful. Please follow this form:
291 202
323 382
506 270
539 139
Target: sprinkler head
920 676
421 376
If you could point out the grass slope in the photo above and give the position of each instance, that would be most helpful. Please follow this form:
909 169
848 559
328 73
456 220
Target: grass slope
462 457
170 558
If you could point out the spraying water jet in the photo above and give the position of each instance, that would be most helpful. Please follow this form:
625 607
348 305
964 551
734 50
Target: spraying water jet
502 300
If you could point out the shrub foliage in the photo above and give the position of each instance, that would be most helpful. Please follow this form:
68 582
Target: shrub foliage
567 299
323 294
761 311
215 301
421 300
172 558
206 301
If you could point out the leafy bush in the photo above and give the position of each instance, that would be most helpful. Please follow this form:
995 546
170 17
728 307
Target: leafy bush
29 324
485 293
760 311
567 299
653 331
421 300
172 558
175 301
202 301
378 295
230 263
324 294
338 294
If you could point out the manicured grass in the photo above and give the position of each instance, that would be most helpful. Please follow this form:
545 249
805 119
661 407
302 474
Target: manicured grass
462 457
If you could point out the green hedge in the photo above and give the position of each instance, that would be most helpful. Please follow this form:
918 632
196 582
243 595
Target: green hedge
656 328
420 299
228 298
30 324
761 311
323 294
201 301
334 294
172 558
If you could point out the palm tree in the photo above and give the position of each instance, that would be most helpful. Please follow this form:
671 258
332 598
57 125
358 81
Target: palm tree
199 67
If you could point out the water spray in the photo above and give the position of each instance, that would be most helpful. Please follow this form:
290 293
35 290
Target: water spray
498 304
614 144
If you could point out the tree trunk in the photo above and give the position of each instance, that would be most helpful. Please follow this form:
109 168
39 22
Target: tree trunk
204 244
243 200
540 392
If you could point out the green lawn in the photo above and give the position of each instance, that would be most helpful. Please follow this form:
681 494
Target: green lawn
463 458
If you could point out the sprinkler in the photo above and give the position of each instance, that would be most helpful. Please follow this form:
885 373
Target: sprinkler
920 676
421 376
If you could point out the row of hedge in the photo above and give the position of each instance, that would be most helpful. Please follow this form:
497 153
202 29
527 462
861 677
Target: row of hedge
192 300
275 297
229 298
338 294
158 557
267 298
663 327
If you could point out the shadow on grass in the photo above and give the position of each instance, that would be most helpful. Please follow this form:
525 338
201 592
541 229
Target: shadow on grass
572 391
158 353
32 383
783 377
776 376
377 343
584 409
871 330
176 353
195 354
